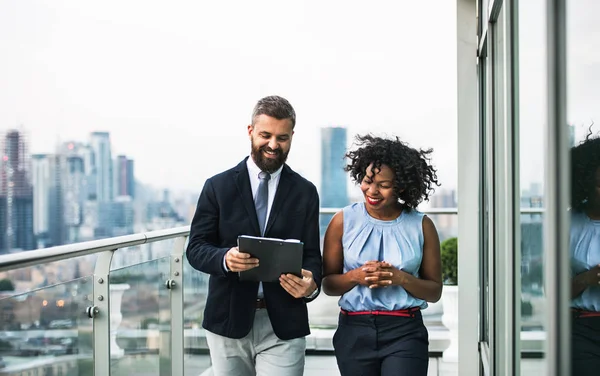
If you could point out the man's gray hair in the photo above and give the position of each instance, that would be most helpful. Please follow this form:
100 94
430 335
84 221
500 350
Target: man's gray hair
274 106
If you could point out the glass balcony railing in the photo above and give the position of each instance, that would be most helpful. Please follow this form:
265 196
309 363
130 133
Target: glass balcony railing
131 305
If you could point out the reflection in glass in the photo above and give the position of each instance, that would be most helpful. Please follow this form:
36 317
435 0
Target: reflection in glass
48 325
532 266
532 88
585 256
195 290
45 275
139 318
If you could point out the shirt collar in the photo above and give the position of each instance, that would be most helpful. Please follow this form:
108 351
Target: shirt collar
254 170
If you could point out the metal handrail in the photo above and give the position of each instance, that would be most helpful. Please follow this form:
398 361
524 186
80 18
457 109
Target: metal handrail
63 252
533 210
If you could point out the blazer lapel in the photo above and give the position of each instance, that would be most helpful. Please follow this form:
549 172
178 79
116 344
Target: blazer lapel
242 181
282 191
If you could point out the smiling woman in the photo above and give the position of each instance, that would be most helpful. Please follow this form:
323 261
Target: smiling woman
402 173
383 257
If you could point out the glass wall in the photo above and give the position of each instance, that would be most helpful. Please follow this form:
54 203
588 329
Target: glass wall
532 88
525 138
499 250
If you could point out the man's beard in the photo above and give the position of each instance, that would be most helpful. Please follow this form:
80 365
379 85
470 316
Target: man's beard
269 165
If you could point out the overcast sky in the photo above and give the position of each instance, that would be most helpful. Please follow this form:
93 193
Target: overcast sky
175 82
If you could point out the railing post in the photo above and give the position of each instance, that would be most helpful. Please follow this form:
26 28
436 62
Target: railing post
101 301
176 300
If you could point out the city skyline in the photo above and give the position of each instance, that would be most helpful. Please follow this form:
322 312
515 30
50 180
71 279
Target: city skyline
80 192
124 181
69 145
84 191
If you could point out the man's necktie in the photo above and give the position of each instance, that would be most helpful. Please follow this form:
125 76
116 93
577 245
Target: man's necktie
262 200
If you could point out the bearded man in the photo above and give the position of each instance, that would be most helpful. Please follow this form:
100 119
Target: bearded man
255 328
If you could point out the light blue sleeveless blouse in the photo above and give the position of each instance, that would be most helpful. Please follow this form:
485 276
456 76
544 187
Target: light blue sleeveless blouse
585 254
399 242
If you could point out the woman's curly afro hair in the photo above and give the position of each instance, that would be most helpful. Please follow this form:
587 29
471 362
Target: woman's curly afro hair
585 161
414 177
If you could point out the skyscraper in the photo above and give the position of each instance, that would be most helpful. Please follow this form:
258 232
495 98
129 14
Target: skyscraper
41 181
125 180
75 157
334 180
102 169
48 200
16 195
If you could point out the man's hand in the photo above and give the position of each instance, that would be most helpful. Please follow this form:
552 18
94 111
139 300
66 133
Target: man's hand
296 286
238 261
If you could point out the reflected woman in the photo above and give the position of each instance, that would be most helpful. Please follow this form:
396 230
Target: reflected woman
585 256
382 257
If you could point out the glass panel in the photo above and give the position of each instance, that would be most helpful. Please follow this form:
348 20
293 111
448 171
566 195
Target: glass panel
583 32
532 122
141 253
140 318
50 274
49 326
446 224
434 316
532 270
195 290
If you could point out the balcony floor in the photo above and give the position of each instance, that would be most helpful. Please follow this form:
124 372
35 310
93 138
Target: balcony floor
317 365
199 365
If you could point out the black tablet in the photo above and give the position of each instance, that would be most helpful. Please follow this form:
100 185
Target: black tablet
276 257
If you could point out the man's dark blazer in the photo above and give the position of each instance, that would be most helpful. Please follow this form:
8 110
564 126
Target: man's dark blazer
225 210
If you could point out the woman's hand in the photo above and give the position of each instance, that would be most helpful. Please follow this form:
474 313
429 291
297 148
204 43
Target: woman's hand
374 274
589 277
388 276
584 280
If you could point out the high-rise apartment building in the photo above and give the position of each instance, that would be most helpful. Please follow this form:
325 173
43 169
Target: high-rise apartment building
48 200
77 161
41 180
102 166
124 177
16 195
334 180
